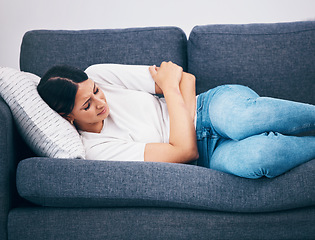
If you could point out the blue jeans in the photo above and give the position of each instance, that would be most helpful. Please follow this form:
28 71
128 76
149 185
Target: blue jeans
243 134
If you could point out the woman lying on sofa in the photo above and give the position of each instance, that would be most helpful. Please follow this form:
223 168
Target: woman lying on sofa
228 128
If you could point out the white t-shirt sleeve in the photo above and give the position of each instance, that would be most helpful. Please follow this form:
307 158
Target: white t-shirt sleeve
133 77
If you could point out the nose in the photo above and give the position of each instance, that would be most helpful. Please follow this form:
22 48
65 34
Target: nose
99 103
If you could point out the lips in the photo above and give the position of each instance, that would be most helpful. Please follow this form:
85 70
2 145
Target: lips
102 112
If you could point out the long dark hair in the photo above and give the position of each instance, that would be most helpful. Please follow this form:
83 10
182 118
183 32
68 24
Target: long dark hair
58 87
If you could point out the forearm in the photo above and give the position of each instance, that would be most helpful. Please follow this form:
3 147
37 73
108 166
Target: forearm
182 146
182 130
188 90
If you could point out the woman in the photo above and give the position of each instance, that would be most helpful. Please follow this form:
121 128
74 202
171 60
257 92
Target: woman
236 131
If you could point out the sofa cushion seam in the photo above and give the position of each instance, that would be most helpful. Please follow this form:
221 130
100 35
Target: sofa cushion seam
196 32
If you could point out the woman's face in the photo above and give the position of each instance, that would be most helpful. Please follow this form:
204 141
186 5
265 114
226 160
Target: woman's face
90 107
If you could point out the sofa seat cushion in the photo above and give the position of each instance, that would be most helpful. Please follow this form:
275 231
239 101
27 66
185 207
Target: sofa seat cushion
85 183
275 59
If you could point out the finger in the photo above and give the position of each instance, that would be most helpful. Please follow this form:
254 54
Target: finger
152 70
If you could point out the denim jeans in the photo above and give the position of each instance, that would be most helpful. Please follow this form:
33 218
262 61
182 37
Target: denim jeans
243 134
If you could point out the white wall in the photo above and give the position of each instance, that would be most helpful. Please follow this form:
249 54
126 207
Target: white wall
19 16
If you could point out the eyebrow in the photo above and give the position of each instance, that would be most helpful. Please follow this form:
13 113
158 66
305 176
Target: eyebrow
89 98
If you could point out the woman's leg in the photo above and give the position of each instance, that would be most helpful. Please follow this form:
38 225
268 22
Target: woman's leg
237 112
267 154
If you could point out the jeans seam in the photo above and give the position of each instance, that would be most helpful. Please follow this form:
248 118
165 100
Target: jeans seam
237 92
302 127
201 104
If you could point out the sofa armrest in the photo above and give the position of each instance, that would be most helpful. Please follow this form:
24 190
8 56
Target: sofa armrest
7 166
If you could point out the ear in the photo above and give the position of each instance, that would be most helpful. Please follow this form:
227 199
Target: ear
68 117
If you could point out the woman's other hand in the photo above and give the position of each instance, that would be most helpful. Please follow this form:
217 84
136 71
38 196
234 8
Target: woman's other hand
167 76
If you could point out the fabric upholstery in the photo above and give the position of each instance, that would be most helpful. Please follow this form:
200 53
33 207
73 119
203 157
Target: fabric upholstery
276 60
7 166
157 223
87 183
42 49
134 194
56 139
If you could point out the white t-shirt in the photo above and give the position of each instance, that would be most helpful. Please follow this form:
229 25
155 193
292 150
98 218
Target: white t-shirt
136 116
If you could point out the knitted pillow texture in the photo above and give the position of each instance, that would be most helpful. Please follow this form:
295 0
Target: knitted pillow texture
46 132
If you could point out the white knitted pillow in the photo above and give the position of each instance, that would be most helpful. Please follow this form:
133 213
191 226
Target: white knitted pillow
46 132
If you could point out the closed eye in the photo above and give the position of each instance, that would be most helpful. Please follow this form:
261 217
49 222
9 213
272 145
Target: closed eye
88 106
95 91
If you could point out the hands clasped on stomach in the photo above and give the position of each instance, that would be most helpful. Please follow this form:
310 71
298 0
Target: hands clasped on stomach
179 92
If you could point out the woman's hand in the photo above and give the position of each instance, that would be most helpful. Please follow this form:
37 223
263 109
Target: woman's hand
167 76
187 87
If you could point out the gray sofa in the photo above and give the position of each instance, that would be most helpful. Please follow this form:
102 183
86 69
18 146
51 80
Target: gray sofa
80 199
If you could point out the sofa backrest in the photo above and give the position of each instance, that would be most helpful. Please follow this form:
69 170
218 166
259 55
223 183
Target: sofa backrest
276 60
41 49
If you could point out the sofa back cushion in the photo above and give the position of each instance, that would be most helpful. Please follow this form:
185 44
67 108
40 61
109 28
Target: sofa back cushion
41 49
276 60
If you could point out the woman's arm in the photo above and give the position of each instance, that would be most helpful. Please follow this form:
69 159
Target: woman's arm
187 87
182 146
